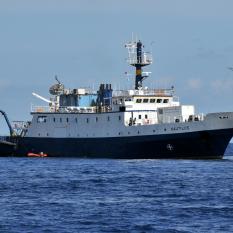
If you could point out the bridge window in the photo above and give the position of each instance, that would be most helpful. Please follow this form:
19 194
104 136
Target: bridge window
145 100
166 101
138 100
41 119
152 100
159 100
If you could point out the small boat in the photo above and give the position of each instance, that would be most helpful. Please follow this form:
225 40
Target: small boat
41 154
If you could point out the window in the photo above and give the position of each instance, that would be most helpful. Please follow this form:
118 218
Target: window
152 100
87 120
54 119
139 116
67 120
41 119
76 120
145 100
60 119
108 118
119 118
138 100
166 101
96 119
159 100
146 116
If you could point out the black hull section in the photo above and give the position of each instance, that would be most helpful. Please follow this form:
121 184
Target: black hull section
195 145
7 147
6 150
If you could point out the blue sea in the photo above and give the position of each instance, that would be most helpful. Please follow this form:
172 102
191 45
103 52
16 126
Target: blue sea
103 195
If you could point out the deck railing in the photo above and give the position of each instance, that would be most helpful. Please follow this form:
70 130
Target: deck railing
153 92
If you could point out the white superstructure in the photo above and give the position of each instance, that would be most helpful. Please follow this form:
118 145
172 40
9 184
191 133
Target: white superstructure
82 113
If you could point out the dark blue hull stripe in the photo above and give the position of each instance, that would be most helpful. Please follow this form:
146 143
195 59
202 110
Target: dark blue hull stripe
203 144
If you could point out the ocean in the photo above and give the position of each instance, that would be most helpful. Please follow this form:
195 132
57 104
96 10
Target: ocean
104 195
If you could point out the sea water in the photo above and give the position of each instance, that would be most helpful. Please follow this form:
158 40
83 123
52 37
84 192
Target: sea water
104 195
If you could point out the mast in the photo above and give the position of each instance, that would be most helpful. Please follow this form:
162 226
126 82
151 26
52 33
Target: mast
138 58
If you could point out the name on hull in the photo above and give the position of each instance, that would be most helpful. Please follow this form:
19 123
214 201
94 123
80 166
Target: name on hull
180 128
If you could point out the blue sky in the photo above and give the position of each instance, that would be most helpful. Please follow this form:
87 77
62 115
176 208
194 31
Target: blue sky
82 41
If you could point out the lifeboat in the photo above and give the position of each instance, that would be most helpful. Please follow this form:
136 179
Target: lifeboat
41 154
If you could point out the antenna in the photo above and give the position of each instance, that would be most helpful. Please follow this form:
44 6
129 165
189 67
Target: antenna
56 78
138 58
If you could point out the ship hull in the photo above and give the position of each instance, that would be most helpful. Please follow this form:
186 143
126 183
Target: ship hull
6 149
7 146
193 145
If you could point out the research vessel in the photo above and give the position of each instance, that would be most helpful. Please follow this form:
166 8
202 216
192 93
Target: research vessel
139 123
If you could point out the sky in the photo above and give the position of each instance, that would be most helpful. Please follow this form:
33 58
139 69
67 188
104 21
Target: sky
82 42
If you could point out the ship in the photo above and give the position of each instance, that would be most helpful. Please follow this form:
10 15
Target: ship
136 123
